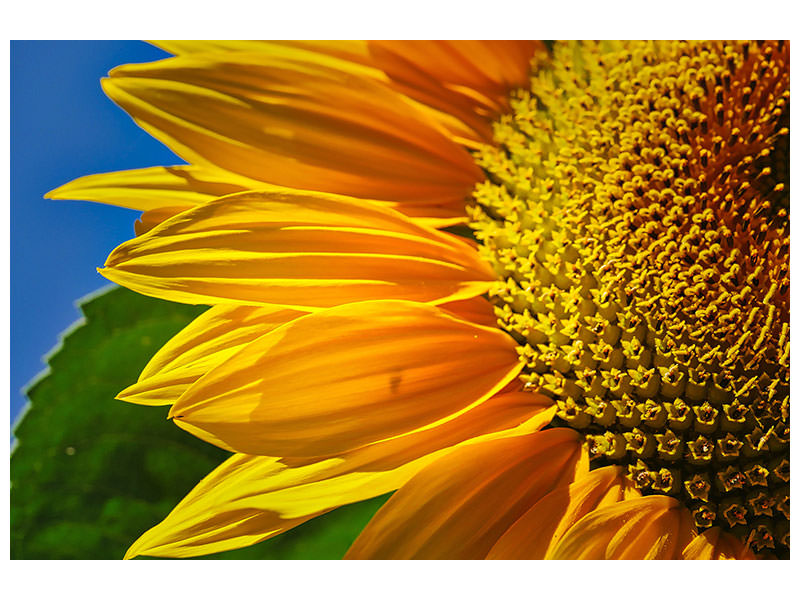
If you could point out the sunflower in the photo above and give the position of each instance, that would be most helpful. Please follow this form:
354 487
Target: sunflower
542 292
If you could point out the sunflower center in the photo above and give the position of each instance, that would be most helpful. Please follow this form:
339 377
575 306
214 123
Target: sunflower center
636 214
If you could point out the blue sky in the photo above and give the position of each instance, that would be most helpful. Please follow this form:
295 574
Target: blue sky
62 127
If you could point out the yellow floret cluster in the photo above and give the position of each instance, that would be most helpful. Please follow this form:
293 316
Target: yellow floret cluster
636 214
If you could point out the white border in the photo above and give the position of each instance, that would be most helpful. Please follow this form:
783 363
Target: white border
413 19
409 19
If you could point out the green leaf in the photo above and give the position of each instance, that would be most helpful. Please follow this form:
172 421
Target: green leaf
90 473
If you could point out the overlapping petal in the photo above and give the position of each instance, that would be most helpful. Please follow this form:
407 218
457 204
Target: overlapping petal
466 79
460 505
652 527
477 310
352 50
153 187
355 117
205 343
289 118
163 192
337 379
296 249
465 82
150 218
220 332
715 544
545 523
251 498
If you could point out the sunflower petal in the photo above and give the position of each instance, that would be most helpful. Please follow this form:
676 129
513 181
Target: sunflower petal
152 188
155 216
194 527
652 527
429 215
504 415
296 249
251 498
223 330
544 524
460 505
218 328
491 67
205 343
468 80
337 379
286 119
715 544
204 435
464 84
478 310
425 215
352 50
163 192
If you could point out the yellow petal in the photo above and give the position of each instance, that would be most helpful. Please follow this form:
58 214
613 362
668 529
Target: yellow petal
715 544
194 522
460 505
218 328
427 216
652 527
351 50
251 498
204 435
436 75
466 79
491 67
286 119
296 249
205 343
465 84
152 188
163 192
155 216
162 390
454 89
337 379
544 524
503 415
478 310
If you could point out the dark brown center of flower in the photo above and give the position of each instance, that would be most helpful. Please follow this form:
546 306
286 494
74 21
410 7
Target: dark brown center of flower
636 214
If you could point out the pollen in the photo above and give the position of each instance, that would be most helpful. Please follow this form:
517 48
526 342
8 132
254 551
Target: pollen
636 215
